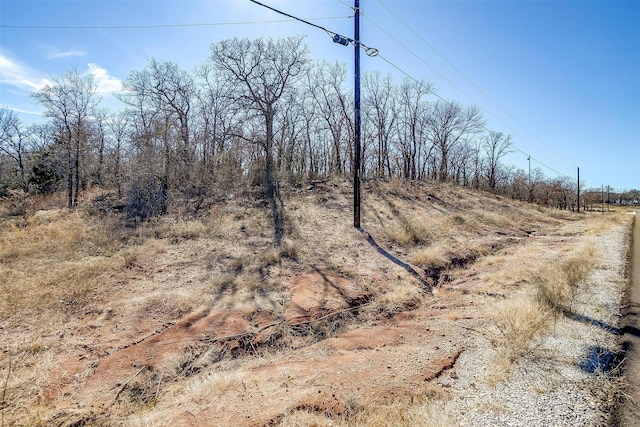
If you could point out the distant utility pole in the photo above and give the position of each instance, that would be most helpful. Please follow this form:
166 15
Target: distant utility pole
578 189
608 200
356 92
602 198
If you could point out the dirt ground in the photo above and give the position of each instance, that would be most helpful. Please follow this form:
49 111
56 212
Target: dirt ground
201 323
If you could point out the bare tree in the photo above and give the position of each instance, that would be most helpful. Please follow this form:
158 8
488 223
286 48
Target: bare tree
450 123
495 146
69 101
324 84
463 156
289 137
167 93
99 136
263 71
118 130
215 121
413 112
13 143
380 110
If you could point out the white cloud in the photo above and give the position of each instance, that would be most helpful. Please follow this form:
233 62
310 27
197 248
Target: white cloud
51 51
104 82
13 73
22 110
56 54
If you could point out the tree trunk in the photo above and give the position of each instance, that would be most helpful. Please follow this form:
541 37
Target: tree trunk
76 171
272 190
69 175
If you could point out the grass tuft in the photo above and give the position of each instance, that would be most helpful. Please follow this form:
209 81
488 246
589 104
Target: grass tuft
557 289
520 325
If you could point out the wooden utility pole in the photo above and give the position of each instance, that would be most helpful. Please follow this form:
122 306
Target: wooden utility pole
356 158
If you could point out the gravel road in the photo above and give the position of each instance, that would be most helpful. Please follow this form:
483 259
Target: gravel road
573 379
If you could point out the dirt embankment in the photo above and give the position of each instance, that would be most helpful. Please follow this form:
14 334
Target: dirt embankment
204 322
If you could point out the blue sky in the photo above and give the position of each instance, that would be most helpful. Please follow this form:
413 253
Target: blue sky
562 77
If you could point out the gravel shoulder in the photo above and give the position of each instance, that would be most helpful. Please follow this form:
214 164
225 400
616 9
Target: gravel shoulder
573 377
630 411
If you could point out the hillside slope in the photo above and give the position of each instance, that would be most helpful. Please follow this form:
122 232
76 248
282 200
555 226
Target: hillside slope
187 321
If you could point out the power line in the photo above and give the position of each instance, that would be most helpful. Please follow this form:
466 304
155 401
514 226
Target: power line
458 88
292 17
470 81
513 145
337 38
417 56
347 4
127 27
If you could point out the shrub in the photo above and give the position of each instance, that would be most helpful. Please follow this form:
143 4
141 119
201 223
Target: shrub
521 323
147 198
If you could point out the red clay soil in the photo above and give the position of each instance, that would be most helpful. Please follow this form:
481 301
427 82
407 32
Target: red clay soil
364 365
380 363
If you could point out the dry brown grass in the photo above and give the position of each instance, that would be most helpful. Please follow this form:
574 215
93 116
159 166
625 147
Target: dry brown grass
521 324
511 269
418 229
426 414
396 415
600 223
61 267
406 293
434 255
557 287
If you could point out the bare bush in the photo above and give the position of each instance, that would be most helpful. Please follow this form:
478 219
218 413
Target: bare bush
147 198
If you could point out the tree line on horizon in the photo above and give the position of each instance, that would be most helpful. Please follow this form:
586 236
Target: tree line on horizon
257 112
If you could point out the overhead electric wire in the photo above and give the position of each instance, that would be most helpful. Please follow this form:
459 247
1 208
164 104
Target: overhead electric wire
370 51
291 16
513 145
127 27
470 81
375 53
460 90
346 4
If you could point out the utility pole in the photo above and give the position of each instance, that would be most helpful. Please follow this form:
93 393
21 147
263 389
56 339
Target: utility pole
370 51
578 189
602 198
356 92
608 200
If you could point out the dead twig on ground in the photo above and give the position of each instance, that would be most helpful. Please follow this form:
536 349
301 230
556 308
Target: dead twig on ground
158 388
123 386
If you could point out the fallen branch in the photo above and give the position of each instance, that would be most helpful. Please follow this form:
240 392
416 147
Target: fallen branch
158 388
125 384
